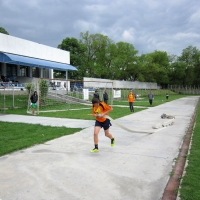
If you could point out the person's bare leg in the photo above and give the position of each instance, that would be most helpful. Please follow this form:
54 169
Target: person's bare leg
107 134
96 134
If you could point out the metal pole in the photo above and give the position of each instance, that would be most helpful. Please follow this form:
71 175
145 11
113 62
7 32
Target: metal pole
13 97
4 101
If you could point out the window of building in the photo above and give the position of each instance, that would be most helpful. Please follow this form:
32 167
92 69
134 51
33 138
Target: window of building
11 71
58 84
23 71
35 72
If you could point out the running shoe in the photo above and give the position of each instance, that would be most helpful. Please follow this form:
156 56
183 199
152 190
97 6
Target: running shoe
94 150
113 142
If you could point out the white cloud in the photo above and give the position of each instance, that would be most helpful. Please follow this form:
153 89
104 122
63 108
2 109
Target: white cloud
186 36
128 35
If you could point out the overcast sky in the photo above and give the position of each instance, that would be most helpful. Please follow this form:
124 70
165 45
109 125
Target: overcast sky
170 25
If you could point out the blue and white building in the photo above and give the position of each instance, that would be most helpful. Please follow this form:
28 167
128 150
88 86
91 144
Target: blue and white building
22 60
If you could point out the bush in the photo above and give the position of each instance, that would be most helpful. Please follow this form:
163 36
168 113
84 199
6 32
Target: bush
30 87
43 86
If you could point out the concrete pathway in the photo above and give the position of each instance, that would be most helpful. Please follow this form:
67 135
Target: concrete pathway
48 121
136 168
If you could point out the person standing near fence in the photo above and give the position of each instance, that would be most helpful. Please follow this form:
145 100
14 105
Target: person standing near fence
131 99
34 99
150 97
96 94
105 97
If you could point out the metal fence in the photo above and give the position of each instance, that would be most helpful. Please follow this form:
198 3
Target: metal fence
16 96
12 97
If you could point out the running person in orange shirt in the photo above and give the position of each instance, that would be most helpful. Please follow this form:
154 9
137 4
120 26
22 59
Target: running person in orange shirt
99 111
131 99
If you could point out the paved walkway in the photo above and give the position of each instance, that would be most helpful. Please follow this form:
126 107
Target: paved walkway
137 168
48 121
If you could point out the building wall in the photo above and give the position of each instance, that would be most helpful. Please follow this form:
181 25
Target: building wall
18 46
107 83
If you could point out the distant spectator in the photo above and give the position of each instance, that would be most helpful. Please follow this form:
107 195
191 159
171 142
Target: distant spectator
6 79
96 94
3 78
34 99
150 97
1 81
135 96
131 99
105 97
167 96
54 86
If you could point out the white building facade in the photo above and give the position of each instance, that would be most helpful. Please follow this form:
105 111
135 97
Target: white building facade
22 60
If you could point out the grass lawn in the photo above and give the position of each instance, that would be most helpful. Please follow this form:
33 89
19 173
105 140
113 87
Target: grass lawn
17 136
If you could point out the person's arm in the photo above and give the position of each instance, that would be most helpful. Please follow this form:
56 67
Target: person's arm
108 109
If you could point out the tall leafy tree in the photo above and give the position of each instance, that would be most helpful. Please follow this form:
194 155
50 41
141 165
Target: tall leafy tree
161 60
97 56
105 59
191 57
2 30
124 63
142 63
155 67
77 56
177 73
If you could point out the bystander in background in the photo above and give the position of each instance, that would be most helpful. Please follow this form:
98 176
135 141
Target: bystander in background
105 97
150 97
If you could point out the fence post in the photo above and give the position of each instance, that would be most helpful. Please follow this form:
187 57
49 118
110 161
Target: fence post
4 97
13 97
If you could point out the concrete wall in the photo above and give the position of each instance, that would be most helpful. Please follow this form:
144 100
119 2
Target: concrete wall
24 79
18 46
106 83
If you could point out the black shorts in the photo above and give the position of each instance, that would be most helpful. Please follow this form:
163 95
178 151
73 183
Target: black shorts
106 124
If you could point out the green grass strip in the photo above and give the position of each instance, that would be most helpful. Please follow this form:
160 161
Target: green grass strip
17 136
190 186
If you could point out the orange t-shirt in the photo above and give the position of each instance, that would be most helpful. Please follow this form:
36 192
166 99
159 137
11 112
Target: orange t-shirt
131 98
100 110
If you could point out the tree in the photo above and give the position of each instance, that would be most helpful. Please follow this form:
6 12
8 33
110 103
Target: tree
77 57
157 69
191 57
97 55
30 87
177 73
108 60
2 30
161 59
124 63
43 86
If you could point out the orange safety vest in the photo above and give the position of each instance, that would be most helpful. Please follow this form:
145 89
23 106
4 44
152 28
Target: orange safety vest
131 98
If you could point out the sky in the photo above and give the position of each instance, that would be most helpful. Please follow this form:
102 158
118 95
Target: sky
170 25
